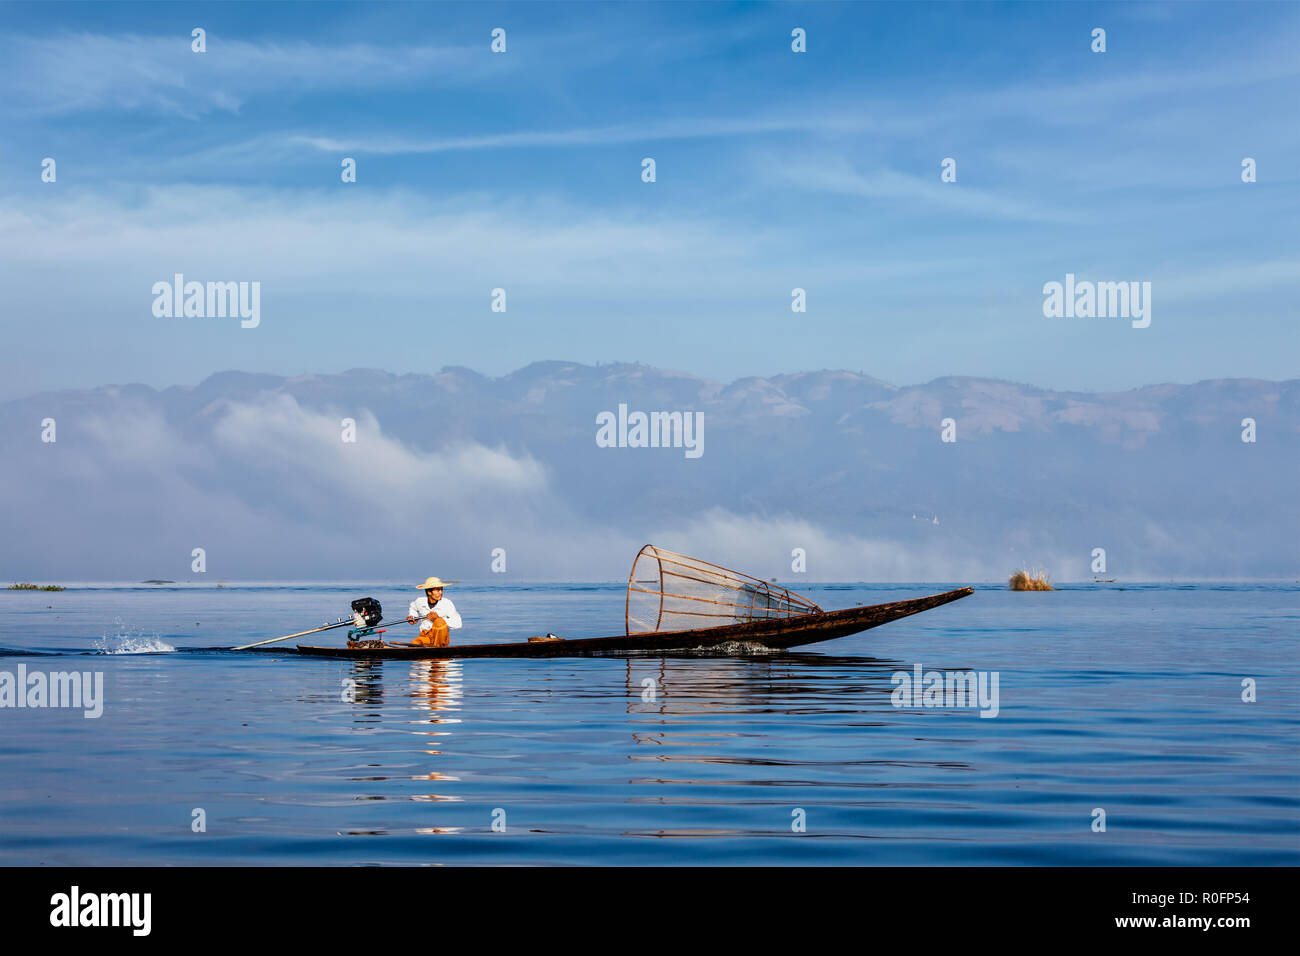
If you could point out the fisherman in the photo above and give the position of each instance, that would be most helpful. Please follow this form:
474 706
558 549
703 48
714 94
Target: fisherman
435 613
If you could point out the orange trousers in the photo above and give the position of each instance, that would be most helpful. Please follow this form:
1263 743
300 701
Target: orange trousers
437 636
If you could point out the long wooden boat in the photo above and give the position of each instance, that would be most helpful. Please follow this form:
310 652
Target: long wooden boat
777 632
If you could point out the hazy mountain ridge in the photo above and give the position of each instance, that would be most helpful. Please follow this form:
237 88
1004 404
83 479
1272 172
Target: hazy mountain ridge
1158 476
988 403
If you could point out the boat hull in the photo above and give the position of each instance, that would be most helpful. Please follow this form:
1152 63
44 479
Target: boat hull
739 639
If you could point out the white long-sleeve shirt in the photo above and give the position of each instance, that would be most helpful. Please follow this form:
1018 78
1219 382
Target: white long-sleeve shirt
444 609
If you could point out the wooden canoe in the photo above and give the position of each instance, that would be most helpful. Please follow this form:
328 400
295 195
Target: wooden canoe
731 639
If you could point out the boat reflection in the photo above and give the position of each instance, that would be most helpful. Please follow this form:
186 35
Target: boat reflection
687 723
678 686
667 697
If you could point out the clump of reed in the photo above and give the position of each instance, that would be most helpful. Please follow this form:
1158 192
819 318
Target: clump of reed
28 586
1026 579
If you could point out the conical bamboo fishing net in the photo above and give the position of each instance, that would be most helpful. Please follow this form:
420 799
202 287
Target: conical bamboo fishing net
671 592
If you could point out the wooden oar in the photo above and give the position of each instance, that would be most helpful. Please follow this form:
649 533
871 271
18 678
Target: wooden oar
315 630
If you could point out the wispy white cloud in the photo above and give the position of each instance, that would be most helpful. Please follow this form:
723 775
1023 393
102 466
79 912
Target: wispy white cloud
392 240
1081 101
836 175
1233 279
646 131
69 72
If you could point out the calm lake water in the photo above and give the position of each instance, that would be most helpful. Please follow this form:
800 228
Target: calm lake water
1123 698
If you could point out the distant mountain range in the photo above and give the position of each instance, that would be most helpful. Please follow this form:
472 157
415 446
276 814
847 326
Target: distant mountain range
448 467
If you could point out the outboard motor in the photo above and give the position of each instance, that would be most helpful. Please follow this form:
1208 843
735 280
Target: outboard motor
366 612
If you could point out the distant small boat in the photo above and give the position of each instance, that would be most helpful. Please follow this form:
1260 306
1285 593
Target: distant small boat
667 593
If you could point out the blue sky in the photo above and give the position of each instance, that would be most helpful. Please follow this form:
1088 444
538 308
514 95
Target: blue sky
775 170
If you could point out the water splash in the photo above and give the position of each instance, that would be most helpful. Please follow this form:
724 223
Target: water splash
131 642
